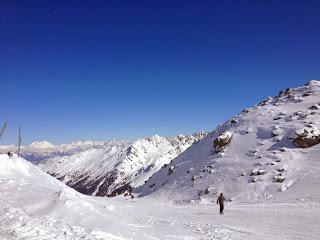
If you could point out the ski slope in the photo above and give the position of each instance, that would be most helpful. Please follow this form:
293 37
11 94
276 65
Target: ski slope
35 205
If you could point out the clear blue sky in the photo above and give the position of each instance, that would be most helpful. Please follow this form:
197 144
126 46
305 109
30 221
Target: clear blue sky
76 70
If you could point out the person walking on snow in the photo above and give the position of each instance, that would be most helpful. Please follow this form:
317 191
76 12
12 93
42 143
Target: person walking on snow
220 201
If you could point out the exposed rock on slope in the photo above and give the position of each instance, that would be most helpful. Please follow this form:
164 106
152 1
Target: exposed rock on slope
222 140
307 137
266 157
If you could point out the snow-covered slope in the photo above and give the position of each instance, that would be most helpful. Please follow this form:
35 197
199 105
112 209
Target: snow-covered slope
116 166
36 206
27 191
268 151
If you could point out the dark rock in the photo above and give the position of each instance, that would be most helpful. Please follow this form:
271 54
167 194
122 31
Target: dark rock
233 120
170 170
277 118
289 92
222 140
306 94
265 102
253 180
257 172
279 179
305 138
246 110
283 149
314 107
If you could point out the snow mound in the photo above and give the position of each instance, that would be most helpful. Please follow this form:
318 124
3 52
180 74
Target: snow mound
13 166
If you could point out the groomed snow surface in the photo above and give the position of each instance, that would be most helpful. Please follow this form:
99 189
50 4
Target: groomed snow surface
35 205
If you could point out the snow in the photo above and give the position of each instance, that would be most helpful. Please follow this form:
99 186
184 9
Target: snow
41 144
181 205
42 150
225 135
37 206
254 143
115 165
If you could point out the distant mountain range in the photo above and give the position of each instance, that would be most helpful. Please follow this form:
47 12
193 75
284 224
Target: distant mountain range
106 168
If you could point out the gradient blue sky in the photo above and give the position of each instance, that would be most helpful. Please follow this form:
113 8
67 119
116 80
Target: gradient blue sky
77 70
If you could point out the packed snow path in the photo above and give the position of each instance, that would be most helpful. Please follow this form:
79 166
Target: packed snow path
151 219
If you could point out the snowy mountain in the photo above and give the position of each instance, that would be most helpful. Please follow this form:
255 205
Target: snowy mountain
42 150
41 145
113 167
269 151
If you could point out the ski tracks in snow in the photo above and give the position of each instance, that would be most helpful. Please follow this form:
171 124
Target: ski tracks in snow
211 232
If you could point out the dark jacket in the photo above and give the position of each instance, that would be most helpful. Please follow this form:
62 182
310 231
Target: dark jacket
221 200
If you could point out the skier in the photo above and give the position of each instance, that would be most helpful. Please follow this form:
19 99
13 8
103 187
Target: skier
10 154
220 201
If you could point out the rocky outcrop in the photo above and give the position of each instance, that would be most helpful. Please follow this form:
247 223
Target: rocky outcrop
257 172
222 140
307 137
287 93
279 179
314 107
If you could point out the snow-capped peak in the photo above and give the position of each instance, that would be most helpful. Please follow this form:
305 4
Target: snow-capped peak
41 144
115 166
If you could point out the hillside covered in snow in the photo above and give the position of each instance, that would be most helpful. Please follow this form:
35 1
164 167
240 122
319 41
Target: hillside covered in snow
266 152
36 206
109 168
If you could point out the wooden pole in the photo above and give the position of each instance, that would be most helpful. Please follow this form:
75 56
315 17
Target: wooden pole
3 129
19 141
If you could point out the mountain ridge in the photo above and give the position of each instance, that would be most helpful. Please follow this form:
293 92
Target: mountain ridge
114 167
254 155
